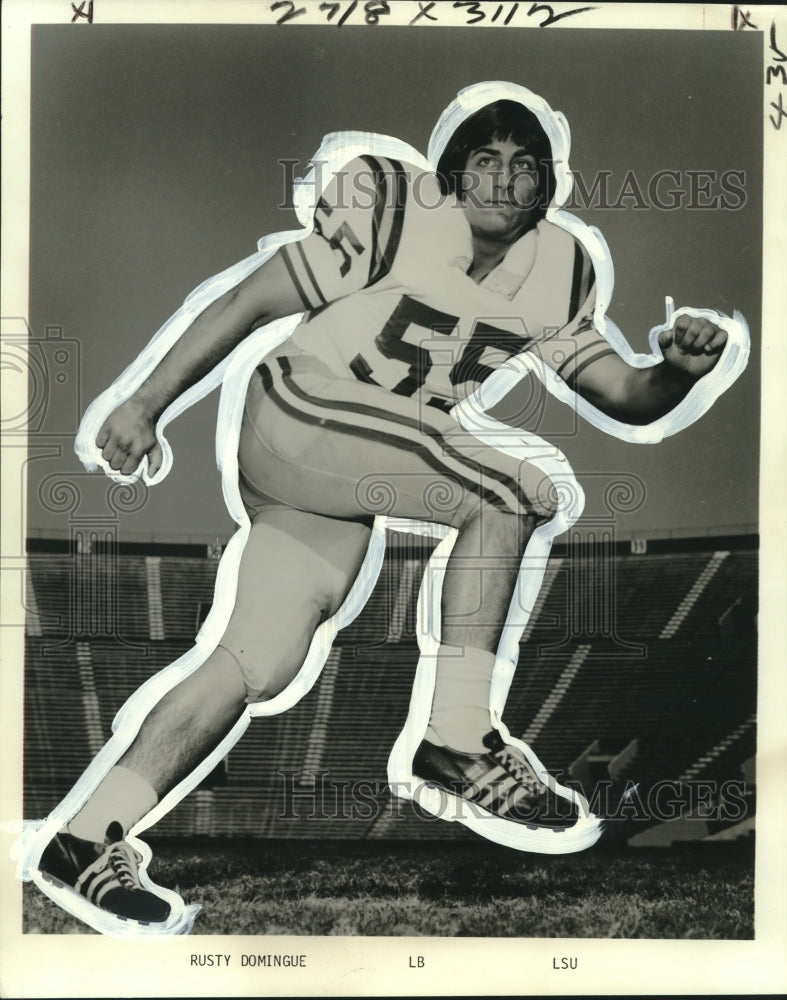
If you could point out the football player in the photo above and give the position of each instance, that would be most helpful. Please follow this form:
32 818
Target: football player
415 287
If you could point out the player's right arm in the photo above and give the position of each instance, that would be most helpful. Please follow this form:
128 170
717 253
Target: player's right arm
129 433
344 253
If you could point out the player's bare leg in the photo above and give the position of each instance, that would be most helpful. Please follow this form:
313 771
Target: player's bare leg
481 576
471 772
262 650
480 579
188 723
285 590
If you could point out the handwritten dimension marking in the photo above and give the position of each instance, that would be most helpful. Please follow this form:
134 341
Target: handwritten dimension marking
775 72
476 11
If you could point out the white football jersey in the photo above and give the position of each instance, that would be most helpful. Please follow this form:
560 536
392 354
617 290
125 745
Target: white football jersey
384 279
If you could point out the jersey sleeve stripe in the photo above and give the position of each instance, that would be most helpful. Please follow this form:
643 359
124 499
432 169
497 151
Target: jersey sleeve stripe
576 282
389 254
391 183
378 219
583 279
573 359
285 253
580 285
379 216
308 269
571 380
590 274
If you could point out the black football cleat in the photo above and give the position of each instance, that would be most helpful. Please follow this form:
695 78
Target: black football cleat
501 781
503 794
107 875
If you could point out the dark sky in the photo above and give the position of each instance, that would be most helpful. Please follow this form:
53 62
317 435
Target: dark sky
155 156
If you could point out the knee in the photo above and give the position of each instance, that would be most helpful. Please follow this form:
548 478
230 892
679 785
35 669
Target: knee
218 680
548 488
544 500
270 648
532 501
285 590
510 531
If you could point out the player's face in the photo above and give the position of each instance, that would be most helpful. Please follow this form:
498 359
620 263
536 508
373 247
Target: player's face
500 189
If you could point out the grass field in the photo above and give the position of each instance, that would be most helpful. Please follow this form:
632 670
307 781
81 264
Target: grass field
448 889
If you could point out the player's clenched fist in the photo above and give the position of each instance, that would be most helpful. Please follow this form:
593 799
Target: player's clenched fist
693 344
127 435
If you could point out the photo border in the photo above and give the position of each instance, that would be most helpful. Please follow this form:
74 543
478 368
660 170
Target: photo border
54 965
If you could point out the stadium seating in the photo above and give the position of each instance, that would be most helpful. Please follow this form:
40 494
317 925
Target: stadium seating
658 649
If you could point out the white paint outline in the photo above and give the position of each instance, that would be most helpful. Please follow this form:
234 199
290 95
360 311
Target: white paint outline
234 372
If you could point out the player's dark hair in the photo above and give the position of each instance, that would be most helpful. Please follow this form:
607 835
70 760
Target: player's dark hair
498 121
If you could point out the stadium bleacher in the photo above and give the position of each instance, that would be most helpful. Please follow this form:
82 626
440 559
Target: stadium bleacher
655 651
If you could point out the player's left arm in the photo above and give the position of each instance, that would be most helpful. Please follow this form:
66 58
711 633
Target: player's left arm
691 347
587 362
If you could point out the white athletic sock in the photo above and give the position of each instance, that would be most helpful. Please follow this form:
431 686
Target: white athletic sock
460 708
123 796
